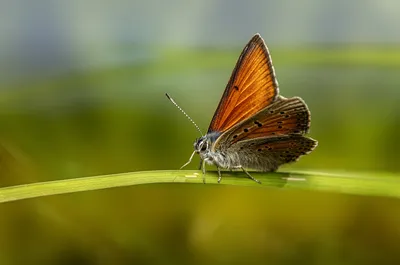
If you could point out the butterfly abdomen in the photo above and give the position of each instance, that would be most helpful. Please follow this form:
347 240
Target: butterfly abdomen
243 158
255 161
225 160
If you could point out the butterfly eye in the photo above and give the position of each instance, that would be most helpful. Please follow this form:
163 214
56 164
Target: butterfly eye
204 146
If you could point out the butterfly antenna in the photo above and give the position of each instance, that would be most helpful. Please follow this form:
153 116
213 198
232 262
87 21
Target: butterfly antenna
187 116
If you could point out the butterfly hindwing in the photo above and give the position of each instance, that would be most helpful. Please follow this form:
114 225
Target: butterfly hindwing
251 88
268 153
283 117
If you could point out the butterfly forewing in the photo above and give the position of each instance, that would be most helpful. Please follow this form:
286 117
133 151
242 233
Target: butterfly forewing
251 88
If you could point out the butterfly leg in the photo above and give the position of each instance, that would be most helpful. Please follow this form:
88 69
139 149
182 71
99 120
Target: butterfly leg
250 176
203 167
219 174
200 164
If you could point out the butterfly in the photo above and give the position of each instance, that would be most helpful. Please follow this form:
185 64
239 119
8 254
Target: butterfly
254 127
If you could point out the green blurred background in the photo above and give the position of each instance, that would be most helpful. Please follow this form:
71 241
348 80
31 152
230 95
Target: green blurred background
82 87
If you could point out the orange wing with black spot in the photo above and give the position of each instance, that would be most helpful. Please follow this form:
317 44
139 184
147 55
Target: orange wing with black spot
251 88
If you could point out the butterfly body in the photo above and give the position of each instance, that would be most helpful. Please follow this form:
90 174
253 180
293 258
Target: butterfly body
235 157
254 127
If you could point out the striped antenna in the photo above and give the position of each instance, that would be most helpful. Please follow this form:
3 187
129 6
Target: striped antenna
187 116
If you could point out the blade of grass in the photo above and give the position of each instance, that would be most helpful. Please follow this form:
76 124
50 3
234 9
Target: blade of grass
375 184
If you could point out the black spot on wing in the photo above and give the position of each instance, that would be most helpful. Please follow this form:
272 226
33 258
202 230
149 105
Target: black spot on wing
259 124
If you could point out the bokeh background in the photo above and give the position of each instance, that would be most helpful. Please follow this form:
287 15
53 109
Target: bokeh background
82 88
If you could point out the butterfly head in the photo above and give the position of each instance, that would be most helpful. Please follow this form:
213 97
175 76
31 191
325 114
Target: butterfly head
202 145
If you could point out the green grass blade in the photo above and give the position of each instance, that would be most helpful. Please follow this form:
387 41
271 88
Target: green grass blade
376 184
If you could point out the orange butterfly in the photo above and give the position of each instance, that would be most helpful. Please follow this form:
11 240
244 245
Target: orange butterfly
253 126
